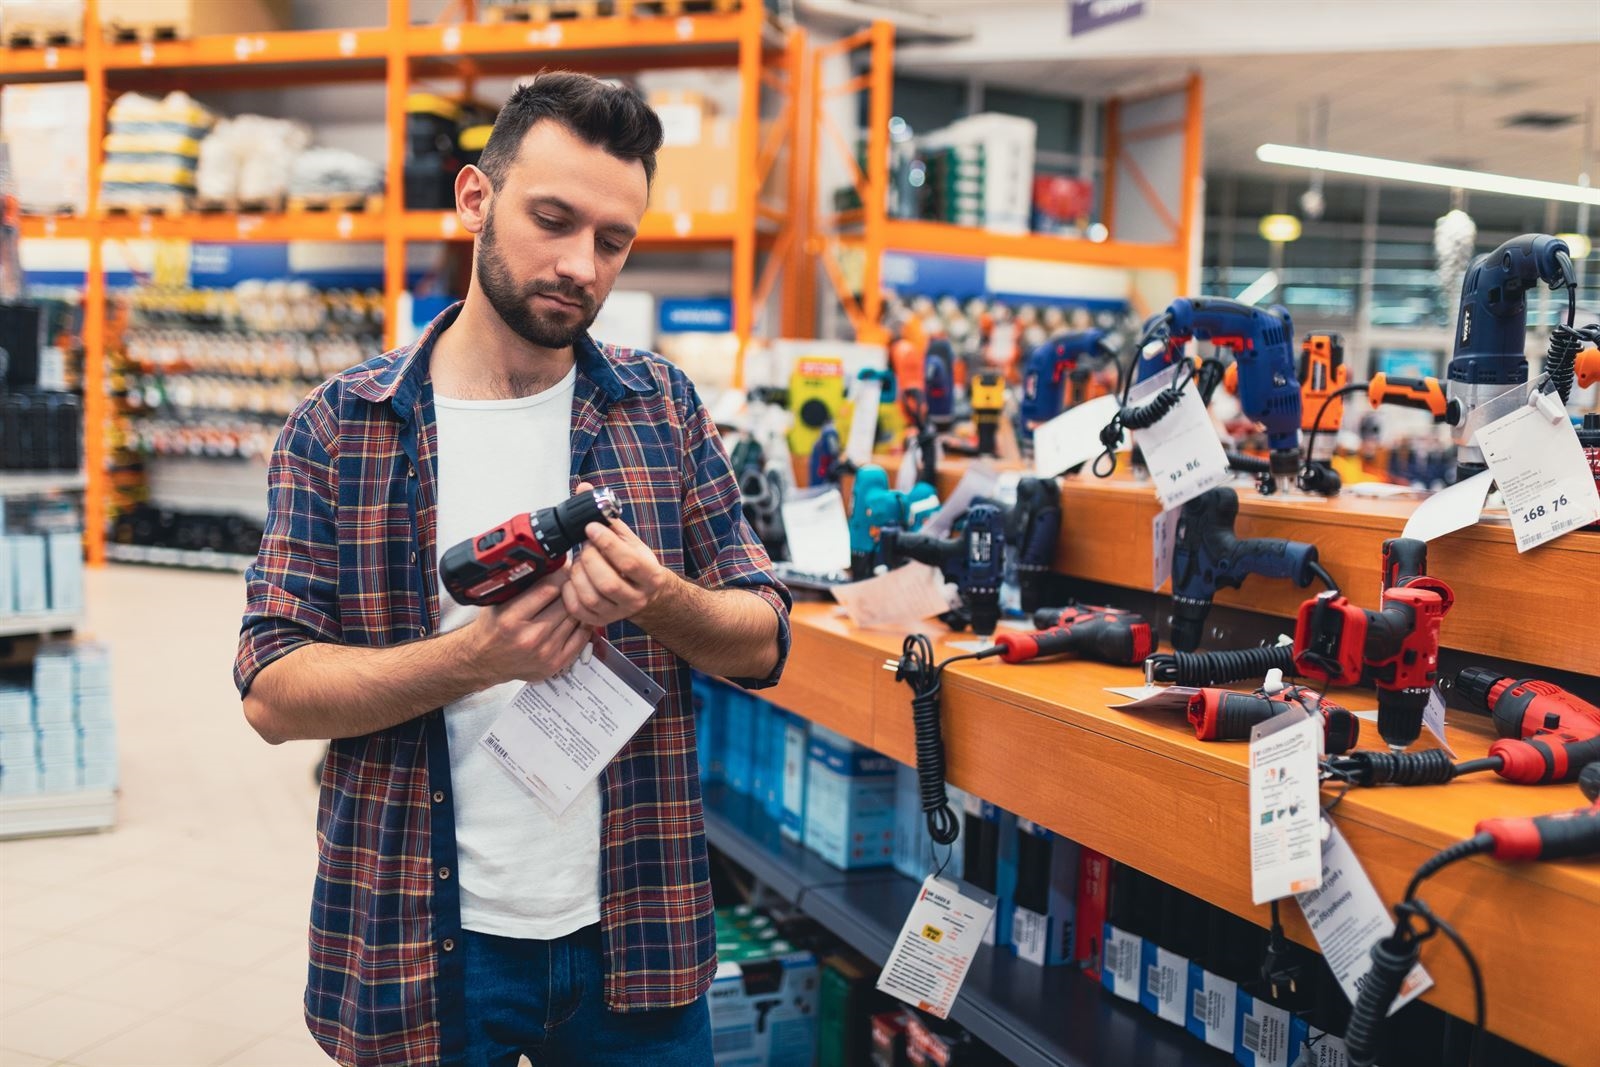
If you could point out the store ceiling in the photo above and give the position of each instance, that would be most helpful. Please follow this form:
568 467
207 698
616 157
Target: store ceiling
1443 106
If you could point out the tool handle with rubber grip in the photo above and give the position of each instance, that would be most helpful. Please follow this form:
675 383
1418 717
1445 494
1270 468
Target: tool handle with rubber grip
1425 394
1270 557
1544 758
1403 558
1564 835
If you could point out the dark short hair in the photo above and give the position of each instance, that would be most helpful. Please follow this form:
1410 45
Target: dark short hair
604 114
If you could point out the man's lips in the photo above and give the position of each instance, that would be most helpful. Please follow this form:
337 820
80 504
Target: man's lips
561 301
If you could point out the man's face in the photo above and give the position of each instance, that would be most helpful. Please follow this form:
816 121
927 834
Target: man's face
556 233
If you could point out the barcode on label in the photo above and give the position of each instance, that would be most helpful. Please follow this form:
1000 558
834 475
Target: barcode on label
1111 955
1252 1034
1198 1007
1152 981
495 744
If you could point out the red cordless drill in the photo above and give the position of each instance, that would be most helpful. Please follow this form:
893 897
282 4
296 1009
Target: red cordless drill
1106 635
1396 648
1546 733
1224 715
497 565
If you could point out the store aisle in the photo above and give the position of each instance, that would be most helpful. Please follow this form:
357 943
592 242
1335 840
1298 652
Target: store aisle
178 938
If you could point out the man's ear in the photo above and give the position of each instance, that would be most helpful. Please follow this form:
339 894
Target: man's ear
474 192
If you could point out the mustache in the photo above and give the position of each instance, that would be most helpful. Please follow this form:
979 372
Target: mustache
563 290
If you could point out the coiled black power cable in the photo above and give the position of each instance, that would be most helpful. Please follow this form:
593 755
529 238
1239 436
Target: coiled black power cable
1430 767
1221 666
918 670
1145 415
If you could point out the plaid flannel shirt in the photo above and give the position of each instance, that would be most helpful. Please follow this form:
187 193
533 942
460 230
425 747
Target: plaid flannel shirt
349 557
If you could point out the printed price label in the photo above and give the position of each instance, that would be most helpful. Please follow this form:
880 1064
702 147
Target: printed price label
930 958
818 532
899 598
1542 473
863 421
1121 956
1163 536
1072 437
1213 1000
1433 719
1182 448
1285 816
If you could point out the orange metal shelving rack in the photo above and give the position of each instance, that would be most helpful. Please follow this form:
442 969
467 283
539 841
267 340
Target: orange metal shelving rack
398 53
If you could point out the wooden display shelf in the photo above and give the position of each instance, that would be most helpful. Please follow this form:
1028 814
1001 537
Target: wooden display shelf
1041 741
368 47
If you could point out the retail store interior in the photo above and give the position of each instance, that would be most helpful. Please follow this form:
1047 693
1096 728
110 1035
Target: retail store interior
1214 384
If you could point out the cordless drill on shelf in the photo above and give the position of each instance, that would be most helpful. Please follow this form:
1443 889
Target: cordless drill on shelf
500 563
972 559
1033 530
1050 368
1224 715
874 506
1084 631
1206 557
1395 648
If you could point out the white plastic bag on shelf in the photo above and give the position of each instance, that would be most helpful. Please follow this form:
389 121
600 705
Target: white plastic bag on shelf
216 173
334 170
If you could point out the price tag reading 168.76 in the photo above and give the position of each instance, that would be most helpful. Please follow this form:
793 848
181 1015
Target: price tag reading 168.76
1543 474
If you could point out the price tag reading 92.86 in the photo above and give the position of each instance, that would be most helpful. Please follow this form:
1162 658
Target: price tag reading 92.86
1542 473
1181 448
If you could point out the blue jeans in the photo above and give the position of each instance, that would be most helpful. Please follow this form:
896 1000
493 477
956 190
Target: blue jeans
545 1000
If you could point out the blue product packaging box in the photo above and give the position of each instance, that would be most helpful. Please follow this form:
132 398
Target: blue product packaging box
19 779
58 744
772 786
91 665
1121 954
738 740
1166 984
8 584
1213 1005
54 671
849 802
19 745
796 741
1046 896
65 551
764 1012
30 585
97 742
1262 1037
60 778
913 848
54 710
16 707
989 860
760 749
100 774
94 709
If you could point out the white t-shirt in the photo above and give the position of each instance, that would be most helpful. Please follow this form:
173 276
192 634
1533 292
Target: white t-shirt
524 873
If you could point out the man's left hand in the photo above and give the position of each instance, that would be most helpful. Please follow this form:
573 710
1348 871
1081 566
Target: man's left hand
615 575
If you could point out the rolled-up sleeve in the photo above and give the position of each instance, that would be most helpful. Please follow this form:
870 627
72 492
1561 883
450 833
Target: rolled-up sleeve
722 550
292 588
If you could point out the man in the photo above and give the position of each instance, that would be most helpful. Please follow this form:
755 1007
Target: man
455 919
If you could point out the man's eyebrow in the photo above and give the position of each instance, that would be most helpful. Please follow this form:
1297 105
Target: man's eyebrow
621 229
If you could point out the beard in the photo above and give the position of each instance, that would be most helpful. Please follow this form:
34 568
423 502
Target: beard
513 302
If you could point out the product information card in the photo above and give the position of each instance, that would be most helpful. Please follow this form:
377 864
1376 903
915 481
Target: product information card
1181 448
1285 815
941 935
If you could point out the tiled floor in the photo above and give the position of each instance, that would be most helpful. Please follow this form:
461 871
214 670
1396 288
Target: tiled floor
178 938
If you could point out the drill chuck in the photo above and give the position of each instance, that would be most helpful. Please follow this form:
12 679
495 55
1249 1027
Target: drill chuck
1400 716
1473 685
562 526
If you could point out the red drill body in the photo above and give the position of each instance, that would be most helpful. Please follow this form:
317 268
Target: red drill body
1224 715
1546 733
1106 635
500 563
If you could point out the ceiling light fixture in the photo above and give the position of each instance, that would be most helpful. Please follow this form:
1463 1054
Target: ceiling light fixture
1280 229
1578 244
1424 174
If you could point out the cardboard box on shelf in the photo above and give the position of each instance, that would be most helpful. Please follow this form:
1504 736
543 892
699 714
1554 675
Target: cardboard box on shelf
42 21
699 175
849 819
196 18
764 1012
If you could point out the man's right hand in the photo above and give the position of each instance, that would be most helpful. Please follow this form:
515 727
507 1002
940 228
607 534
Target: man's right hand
529 637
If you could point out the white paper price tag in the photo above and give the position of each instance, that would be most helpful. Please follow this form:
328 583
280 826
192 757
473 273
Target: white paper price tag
1182 448
1072 437
898 598
1451 509
1163 536
863 421
1347 917
1542 473
818 532
979 479
1153 697
1285 817
1433 719
931 956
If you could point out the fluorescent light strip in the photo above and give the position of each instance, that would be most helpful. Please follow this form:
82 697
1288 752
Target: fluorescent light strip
1424 174
1259 289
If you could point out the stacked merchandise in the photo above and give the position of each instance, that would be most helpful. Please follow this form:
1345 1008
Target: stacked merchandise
978 171
40 23
697 167
246 162
48 122
763 999
41 557
145 20
152 148
41 432
59 736
442 135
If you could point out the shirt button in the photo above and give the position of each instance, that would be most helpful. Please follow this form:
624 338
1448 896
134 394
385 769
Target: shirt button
438 796
411 470
413 557
422 631
444 874
449 945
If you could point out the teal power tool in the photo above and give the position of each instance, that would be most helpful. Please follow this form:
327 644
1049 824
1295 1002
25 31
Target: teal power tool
1051 367
1492 324
972 559
1206 556
875 507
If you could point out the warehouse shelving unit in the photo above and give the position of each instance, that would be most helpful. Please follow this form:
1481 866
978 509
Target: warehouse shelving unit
869 232
748 40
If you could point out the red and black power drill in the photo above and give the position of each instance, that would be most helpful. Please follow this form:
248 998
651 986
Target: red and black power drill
1087 631
497 565
1225 715
1395 648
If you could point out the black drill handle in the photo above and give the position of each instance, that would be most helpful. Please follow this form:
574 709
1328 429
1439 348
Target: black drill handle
1563 835
1404 558
1589 781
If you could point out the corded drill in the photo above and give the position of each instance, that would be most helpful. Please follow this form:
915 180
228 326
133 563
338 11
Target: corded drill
1206 556
1088 631
1049 367
1492 325
874 506
1033 530
972 559
500 563
1395 648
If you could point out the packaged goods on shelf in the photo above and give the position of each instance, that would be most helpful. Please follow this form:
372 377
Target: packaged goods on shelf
698 163
148 19
764 1011
37 23
144 526
41 432
980 171
330 171
442 135
850 792
151 150
248 159
1061 204
48 122
57 733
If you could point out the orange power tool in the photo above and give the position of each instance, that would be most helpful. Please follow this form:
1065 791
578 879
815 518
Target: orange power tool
1322 375
1587 368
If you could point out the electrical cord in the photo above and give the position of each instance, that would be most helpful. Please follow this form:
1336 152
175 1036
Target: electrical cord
1308 465
1145 415
917 669
1220 666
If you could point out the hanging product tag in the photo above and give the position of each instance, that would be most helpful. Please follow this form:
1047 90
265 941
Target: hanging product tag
1433 719
818 532
863 421
1072 437
898 598
1285 835
1450 509
931 956
1182 448
979 480
1163 536
1541 470
1347 917
559 734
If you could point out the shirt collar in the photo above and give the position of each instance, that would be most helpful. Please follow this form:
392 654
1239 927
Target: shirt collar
399 381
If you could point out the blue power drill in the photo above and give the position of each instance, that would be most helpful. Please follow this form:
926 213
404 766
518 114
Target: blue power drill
938 384
1263 374
1206 556
1046 371
1033 530
1491 327
874 506
973 559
